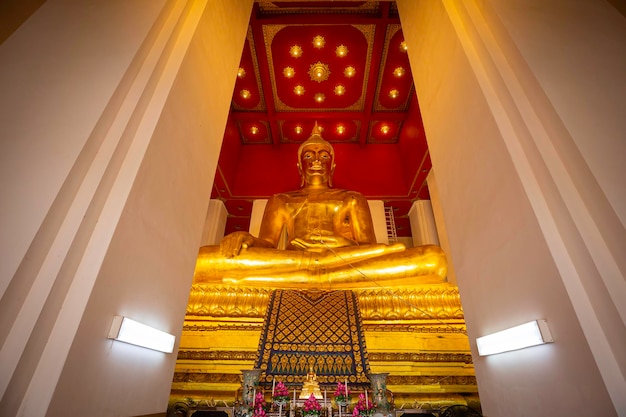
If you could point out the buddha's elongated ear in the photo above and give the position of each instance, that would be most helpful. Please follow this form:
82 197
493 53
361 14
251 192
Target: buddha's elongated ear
301 174
330 177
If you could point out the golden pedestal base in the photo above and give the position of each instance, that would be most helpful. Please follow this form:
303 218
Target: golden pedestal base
415 334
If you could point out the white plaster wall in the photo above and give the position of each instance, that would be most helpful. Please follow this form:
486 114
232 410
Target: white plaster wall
153 252
59 74
109 146
55 87
587 40
499 198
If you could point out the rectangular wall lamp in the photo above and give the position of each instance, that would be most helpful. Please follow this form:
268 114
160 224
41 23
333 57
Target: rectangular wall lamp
135 333
525 335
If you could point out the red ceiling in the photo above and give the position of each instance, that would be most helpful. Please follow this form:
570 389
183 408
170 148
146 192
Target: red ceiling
344 65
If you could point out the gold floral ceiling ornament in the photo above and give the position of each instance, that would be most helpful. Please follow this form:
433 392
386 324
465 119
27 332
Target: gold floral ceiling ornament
341 51
341 129
295 51
319 72
254 130
319 97
384 129
289 72
349 72
399 72
319 41
241 72
298 129
403 46
394 93
245 94
340 90
298 90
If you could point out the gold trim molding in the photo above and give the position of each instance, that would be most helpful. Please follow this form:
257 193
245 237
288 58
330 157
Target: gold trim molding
227 355
219 327
416 380
217 355
436 302
420 357
431 380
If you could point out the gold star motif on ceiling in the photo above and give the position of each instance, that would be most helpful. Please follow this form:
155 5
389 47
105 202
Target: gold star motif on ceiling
319 41
341 51
295 51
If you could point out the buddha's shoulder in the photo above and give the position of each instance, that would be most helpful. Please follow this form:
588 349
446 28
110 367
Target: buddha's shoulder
330 194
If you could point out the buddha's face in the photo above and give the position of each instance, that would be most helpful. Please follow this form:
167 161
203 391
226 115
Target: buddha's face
316 164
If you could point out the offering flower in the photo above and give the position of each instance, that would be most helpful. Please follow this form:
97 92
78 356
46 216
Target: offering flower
311 407
259 405
281 394
363 407
342 394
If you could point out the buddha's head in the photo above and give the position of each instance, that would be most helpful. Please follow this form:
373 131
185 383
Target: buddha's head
316 160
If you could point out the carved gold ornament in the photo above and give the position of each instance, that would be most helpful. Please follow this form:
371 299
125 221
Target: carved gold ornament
289 72
399 72
295 51
340 90
298 90
319 41
241 73
349 72
245 94
319 97
341 51
319 72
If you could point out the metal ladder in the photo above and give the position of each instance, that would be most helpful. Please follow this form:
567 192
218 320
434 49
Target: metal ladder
390 221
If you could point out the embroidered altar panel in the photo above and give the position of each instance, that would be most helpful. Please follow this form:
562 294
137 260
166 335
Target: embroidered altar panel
319 330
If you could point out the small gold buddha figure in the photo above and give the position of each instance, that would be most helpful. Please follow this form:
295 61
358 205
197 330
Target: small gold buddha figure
317 237
311 386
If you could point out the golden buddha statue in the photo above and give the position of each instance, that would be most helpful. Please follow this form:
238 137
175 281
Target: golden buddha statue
310 386
317 237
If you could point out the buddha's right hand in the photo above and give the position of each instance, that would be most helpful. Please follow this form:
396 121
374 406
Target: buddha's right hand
232 243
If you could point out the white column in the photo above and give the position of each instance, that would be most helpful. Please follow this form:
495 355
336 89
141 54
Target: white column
258 208
215 223
377 208
423 226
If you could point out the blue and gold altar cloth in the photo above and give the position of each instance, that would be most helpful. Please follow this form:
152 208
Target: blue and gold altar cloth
319 330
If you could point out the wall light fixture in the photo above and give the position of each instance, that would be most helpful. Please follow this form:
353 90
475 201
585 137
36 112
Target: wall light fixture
135 333
525 335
